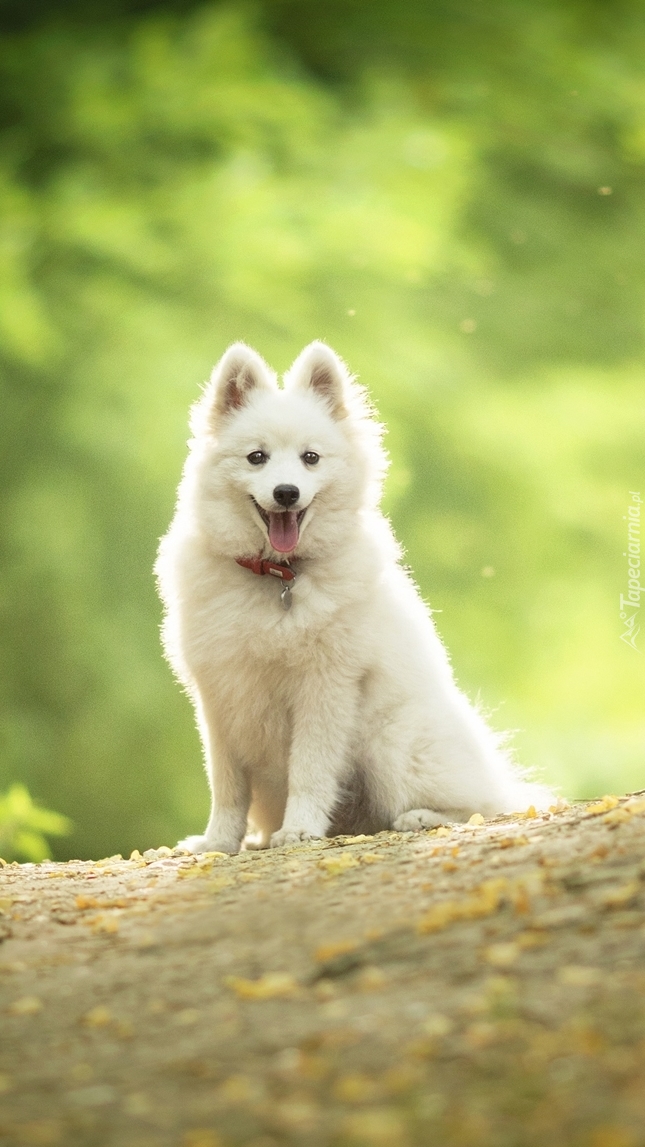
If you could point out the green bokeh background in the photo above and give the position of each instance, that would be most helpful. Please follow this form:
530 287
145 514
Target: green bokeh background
452 194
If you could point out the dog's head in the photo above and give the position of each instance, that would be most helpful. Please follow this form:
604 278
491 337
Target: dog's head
284 471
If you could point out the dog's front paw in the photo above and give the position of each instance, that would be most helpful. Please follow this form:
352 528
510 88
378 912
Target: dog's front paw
417 819
290 836
198 844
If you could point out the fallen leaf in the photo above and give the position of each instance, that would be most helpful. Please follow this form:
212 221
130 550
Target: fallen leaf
271 986
336 865
84 902
98 1017
502 955
486 900
329 951
107 924
26 1006
437 1025
578 975
620 897
605 805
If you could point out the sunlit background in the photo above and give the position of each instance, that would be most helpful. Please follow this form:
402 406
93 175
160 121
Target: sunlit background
452 194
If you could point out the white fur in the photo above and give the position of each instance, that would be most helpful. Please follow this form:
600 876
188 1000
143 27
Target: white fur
342 712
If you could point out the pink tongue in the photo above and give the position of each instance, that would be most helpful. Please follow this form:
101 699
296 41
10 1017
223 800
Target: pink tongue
283 531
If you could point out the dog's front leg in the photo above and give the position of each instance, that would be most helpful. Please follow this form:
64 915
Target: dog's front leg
230 793
324 716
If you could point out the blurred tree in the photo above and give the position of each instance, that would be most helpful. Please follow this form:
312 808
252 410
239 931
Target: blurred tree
452 195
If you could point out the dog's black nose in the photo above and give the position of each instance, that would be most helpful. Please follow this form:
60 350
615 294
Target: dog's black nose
286 496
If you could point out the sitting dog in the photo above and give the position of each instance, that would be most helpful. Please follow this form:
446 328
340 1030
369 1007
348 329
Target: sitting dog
324 697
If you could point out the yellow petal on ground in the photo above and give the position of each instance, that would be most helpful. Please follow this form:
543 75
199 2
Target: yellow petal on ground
102 923
371 857
605 805
26 1006
620 897
5 904
617 816
501 955
329 951
529 814
98 1017
485 900
271 986
476 818
635 806
336 865
437 1025
84 902
578 975
443 831
107 860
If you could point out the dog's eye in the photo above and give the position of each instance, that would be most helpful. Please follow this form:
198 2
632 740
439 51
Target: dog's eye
257 457
310 457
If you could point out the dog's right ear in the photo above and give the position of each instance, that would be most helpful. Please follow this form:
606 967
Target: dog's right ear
238 373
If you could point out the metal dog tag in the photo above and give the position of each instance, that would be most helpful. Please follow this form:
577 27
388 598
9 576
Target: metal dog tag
285 596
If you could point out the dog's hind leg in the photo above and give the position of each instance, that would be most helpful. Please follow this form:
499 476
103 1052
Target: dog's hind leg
419 818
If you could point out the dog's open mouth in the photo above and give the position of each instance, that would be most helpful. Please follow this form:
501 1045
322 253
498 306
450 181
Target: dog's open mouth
283 527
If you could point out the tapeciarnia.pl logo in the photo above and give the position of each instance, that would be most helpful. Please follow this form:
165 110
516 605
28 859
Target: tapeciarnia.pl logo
630 602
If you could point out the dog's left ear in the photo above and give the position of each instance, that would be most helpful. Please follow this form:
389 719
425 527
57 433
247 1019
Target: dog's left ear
318 368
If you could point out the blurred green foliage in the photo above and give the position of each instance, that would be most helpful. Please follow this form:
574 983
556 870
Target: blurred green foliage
24 827
452 195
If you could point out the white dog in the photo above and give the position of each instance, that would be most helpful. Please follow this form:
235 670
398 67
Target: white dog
339 714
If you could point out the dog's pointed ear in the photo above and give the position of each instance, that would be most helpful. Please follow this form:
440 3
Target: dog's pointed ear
318 368
239 372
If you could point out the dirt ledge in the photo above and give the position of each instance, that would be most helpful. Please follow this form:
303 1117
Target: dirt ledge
483 985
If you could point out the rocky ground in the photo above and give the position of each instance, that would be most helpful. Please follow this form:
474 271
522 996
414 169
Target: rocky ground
481 985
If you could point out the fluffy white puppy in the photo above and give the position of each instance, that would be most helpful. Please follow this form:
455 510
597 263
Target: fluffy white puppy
339 714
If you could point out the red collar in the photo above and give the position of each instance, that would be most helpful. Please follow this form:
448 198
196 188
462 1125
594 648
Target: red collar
264 566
